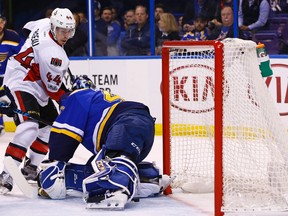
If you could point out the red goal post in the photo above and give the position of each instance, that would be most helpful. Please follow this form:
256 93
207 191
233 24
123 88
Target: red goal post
218 46
221 130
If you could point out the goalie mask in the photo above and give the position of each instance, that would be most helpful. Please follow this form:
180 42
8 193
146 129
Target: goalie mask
63 19
83 82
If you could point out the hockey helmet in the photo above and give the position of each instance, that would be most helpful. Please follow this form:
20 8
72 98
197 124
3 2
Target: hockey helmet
62 18
83 82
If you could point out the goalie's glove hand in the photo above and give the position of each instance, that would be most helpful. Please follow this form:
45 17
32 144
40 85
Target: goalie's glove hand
7 102
51 179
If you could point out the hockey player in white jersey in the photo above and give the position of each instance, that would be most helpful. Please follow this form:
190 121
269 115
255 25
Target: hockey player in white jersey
34 77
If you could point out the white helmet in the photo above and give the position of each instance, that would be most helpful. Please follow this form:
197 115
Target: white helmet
62 18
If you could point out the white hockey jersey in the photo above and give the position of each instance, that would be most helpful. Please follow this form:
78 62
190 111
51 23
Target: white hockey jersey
40 65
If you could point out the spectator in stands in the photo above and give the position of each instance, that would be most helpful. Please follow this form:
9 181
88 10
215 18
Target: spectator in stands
226 29
198 8
253 16
10 44
137 37
283 47
180 26
279 6
48 13
200 31
114 30
101 31
115 15
220 5
82 16
83 24
129 18
169 29
77 46
159 9
128 21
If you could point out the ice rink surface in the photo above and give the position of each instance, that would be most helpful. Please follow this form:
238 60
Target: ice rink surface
178 204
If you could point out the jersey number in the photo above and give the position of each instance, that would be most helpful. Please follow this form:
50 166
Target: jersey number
110 97
24 59
56 79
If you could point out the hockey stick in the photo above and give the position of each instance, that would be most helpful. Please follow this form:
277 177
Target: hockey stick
27 189
72 78
21 112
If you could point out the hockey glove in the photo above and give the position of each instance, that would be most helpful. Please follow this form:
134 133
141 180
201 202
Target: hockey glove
7 102
51 180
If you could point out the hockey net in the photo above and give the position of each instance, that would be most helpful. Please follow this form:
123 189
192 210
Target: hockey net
221 130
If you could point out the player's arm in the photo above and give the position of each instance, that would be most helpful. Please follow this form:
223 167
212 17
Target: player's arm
68 129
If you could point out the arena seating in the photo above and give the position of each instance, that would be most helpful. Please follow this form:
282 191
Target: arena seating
277 32
270 39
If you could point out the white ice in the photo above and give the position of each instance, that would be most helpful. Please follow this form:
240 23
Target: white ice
178 204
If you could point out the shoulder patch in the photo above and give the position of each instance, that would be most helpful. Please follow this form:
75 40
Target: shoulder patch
56 62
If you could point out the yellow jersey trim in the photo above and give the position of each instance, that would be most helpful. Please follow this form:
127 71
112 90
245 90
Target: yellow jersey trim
103 123
68 133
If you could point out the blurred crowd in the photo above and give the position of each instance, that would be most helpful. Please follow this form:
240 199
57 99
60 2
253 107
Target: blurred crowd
128 33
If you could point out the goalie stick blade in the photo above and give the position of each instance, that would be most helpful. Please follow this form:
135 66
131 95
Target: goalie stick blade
116 201
18 179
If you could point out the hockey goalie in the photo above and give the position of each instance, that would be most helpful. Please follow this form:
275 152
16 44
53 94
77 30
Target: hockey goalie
118 133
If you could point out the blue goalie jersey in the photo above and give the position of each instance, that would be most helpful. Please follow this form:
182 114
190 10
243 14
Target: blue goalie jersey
86 117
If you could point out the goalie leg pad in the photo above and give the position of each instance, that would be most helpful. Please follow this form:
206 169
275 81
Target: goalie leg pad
52 180
75 174
113 185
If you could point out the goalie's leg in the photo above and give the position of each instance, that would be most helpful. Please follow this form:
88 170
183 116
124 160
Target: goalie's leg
128 142
113 185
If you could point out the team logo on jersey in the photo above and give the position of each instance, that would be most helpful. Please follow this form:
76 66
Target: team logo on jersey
100 165
3 56
56 62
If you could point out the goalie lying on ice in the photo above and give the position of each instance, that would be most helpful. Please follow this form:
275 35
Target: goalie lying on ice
120 135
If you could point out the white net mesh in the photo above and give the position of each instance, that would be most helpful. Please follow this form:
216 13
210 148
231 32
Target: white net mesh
255 148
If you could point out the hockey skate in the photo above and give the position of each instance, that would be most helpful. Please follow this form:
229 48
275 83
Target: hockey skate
113 201
29 170
6 183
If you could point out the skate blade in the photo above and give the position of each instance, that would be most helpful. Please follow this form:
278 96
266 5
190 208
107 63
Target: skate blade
117 202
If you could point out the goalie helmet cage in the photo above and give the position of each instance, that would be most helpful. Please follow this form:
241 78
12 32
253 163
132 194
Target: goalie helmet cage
221 130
